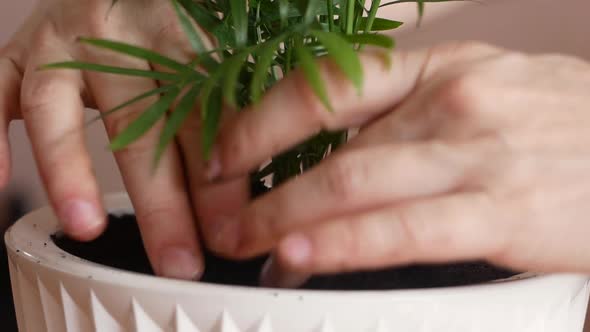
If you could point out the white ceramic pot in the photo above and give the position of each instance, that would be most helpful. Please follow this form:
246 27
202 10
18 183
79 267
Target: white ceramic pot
55 291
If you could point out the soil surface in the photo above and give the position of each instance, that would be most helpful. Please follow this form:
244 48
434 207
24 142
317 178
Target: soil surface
121 247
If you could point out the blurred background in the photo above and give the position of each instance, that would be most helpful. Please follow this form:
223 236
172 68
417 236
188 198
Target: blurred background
528 25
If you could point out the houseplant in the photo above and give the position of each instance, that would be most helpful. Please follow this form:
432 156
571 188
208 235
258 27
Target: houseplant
258 43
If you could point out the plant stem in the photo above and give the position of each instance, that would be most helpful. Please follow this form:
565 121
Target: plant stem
350 17
331 14
372 14
289 59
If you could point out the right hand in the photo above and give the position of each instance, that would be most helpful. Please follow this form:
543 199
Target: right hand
52 104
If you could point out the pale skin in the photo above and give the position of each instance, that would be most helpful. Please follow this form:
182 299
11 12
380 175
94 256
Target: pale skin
466 152
52 106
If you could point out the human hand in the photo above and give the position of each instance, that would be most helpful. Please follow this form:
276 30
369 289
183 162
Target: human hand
52 103
466 152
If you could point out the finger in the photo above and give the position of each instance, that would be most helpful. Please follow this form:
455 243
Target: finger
275 275
459 227
348 183
10 79
52 109
212 203
291 112
160 197
216 204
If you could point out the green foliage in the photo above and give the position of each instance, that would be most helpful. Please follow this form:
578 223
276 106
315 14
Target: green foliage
259 42
311 72
145 121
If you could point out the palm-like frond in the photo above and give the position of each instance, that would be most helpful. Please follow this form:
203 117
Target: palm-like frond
259 42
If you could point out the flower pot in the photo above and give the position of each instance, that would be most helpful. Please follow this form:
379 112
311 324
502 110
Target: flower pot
56 291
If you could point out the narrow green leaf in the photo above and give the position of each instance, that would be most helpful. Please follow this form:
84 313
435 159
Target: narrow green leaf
420 11
380 24
206 19
239 14
211 122
284 12
350 10
395 2
207 89
330 9
194 38
341 16
201 15
131 101
372 39
311 11
114 70
312 73
145 121
263 65
136 52
343 54
372 15
176 120
230 79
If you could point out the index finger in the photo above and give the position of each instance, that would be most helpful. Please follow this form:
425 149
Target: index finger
291 112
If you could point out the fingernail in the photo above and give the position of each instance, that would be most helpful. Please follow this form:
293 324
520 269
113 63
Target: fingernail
213 167
272 275
179 263
226 234
80 216
295 250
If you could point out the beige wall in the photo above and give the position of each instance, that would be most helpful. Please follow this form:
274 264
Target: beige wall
532 25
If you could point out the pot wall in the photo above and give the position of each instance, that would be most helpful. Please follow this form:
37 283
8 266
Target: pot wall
55 291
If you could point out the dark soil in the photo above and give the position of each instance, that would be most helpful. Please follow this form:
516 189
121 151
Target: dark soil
121 247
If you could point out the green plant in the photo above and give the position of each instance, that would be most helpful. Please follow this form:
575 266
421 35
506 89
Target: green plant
258 43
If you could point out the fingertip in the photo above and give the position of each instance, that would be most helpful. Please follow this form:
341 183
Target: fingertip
82 219
295 251
180 263
275 275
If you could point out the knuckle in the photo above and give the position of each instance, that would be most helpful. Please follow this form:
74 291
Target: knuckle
170 30
312 104
459 97
117 122
45 35
412 230
153 213
466 47
236 143
351 252
422 237
32 106
40 91
37 99
138 151
345 177
97 28
96 24
42 86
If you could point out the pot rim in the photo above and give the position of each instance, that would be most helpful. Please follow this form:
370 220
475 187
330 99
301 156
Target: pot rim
40 249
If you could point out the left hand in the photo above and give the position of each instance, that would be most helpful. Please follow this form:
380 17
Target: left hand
466 152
